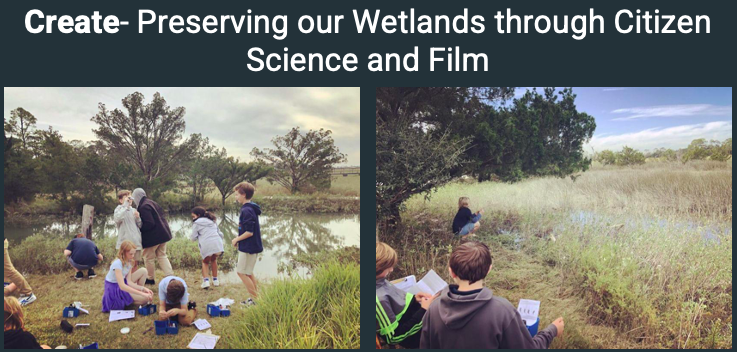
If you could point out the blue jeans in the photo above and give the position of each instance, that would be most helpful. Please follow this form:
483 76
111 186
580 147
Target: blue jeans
466 229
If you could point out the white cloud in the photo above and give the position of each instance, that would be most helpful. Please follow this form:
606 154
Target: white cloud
672 137
673 111
613 89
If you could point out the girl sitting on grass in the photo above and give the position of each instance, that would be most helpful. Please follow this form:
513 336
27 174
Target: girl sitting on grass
16 336
206 231
466 223
123 287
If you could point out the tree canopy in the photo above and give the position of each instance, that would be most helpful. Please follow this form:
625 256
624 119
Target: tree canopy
428 136
300 159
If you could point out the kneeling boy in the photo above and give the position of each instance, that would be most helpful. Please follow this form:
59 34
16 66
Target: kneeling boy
398 313
468 315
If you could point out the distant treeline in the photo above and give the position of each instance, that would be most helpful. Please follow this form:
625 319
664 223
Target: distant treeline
699 149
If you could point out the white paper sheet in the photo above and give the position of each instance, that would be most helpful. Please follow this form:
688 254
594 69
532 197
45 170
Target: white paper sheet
406 283
202 324
431 283
225 302
529 310
116 315
203 341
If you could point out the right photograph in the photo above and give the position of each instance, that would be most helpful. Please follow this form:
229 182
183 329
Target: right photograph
566 218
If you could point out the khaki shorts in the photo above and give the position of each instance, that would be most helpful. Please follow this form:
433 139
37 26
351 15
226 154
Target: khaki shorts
246 263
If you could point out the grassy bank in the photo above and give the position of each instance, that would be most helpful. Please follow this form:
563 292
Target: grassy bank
41 254
317 312
641 256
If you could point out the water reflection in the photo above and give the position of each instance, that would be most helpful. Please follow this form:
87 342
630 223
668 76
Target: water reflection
284 236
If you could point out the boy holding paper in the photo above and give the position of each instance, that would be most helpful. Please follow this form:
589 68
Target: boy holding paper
468 315
398 313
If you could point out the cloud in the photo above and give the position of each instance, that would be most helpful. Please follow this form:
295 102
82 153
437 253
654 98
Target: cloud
672 137
613 89
673 111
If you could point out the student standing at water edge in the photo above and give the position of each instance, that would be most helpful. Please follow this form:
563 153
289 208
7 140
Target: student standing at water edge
24 289
122 286
248 240
128 222
210 240
83 254
155 233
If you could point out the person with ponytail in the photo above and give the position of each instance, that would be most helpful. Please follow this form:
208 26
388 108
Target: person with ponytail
123 286
210 239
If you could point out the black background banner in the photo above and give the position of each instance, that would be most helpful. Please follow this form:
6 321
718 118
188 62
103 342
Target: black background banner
128 58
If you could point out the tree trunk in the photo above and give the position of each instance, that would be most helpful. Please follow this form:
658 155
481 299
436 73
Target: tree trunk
88 212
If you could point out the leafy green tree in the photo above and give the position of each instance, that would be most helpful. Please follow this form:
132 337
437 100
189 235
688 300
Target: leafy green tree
606 157
59 165
148 137
226 172
21 179
195 174
299 159
410 161
629 156
21 125
697 150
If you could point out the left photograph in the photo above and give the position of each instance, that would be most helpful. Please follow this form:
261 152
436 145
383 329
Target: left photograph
172 218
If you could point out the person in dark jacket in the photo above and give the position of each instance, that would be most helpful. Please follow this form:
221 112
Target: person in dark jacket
83 254
16 336
465 222
248 240
468 315
155 233
398 314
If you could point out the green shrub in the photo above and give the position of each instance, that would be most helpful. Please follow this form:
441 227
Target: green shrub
43 254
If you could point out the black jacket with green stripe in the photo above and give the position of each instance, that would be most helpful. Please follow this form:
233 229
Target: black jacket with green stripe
398 315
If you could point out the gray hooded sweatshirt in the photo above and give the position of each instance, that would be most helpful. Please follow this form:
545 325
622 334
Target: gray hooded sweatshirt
208 235
478 320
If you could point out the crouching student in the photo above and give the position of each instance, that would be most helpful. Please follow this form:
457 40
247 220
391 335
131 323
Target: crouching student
468 315
83 254
398 313
16 336
124 287
174 301
466 222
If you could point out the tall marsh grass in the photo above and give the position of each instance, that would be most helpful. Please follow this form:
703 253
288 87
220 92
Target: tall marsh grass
642 252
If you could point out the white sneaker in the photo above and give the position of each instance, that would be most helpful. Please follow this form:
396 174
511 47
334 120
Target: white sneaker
215 282
205 284
26 300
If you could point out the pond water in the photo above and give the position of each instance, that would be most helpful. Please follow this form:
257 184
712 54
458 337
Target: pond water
283 235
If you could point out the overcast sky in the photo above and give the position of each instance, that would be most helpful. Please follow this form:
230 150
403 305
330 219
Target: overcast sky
648 118
238 119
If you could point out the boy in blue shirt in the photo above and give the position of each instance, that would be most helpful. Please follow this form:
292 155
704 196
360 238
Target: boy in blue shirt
248 240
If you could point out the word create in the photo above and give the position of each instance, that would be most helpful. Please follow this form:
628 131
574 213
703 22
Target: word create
68 24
